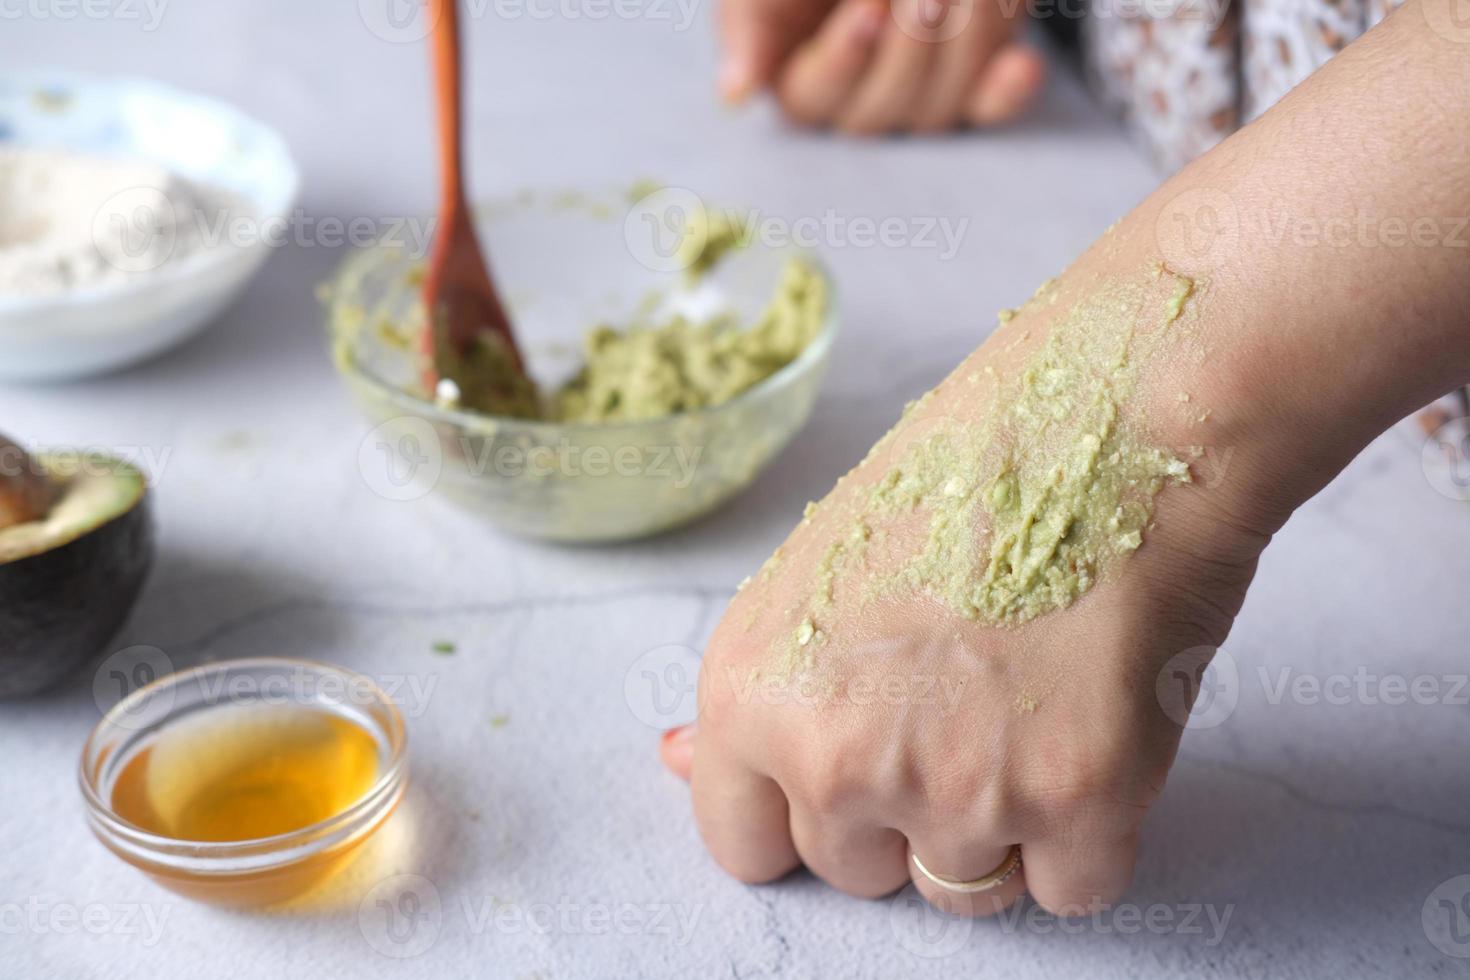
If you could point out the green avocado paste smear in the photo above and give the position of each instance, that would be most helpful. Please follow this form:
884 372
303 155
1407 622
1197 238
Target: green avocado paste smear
666 366
1023 505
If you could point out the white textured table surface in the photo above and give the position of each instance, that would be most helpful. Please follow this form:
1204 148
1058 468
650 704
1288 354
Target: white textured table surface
1319 829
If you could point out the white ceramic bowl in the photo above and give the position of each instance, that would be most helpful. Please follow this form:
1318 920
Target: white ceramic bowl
89 331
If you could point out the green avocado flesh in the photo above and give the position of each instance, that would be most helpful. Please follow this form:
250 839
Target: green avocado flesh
69 580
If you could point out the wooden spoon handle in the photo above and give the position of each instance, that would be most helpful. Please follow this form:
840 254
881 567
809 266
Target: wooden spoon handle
447 74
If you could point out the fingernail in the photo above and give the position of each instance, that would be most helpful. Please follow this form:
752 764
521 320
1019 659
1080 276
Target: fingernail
734 80
867 22
679 736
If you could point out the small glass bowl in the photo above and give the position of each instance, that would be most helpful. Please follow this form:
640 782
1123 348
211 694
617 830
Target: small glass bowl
266 870
564 268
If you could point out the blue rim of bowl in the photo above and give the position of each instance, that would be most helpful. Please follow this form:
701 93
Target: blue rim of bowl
192 265
811 355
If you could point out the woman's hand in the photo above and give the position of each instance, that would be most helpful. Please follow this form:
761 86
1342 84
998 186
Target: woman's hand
851 719
865 67
989 633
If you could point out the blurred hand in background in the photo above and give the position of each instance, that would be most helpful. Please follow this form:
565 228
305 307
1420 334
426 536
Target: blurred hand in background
875 67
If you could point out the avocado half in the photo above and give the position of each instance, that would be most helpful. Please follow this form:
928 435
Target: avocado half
69 576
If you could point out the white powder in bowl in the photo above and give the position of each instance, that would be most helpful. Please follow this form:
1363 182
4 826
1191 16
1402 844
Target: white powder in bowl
69 221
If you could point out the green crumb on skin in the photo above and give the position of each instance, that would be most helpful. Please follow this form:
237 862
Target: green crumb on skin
1183 289
445 647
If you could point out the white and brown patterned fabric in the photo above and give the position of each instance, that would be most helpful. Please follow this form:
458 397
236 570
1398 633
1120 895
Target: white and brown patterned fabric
1284 41
1171 72
1187 73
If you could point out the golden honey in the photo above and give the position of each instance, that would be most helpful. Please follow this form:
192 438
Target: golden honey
247 772
250 799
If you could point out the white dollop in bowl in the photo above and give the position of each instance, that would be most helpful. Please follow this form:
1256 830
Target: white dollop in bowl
86 330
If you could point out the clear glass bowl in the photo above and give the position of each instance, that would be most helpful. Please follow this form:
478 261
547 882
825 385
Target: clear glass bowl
266 870
562 268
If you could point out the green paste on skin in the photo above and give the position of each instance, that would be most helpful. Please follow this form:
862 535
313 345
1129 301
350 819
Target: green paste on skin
1026 506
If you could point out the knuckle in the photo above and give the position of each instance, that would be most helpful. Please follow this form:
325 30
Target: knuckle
747 870
797 108
825 789
1079 896
830 776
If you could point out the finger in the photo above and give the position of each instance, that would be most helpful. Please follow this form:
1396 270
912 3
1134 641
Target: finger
1007 86
756 36
823 72
742 816
1071 877
964 862
960 62
860 859
889 90
676 748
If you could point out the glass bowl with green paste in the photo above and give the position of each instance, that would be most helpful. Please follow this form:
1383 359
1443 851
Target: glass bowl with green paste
674 354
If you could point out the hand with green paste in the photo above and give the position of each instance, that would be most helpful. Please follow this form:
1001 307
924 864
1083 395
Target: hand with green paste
972 647
874 67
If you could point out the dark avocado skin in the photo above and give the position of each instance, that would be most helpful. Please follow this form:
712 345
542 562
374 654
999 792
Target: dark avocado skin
59 608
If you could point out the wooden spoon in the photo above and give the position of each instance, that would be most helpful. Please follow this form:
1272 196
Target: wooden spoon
467 323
